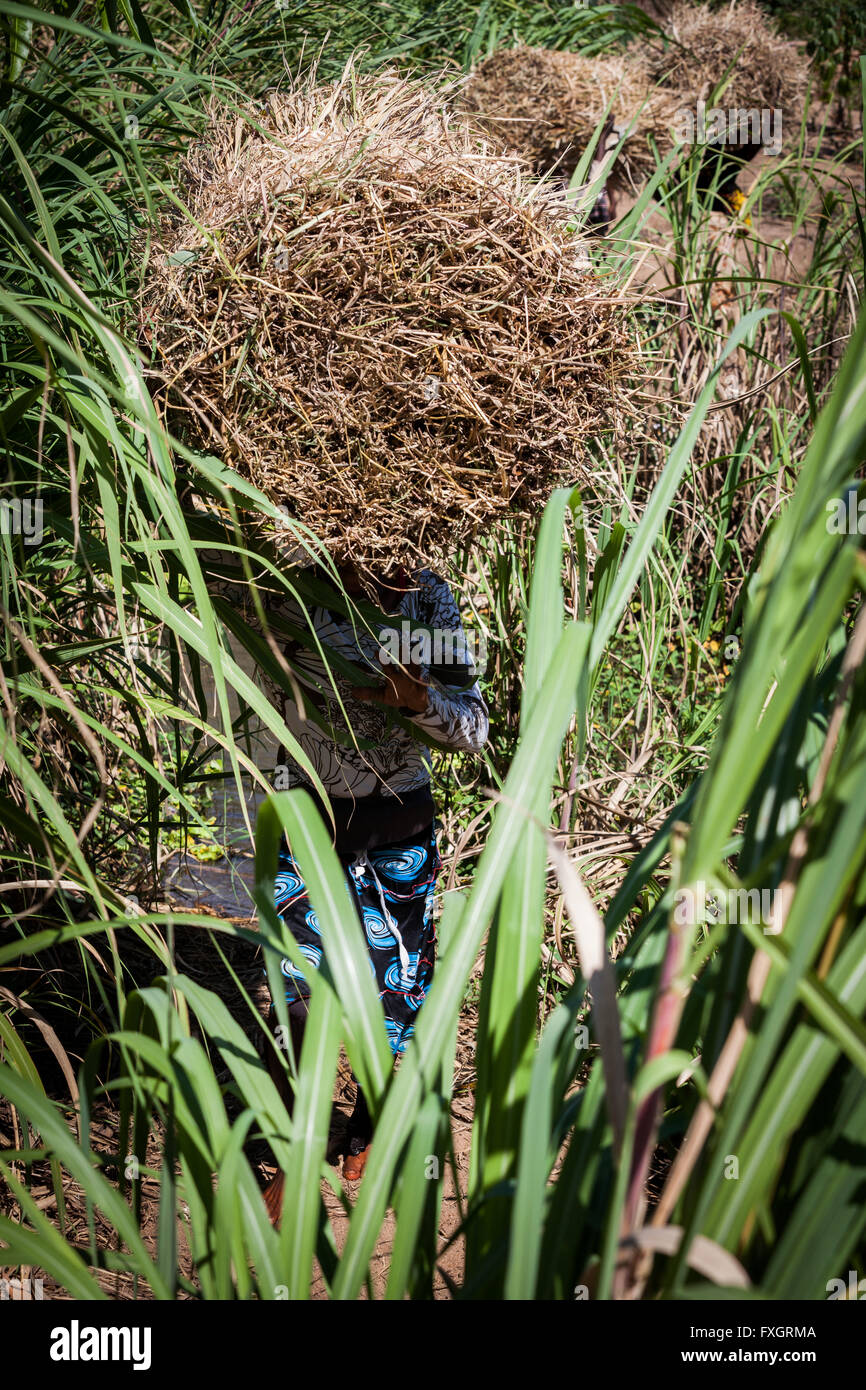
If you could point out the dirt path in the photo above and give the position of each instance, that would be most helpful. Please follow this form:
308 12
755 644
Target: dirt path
449 1266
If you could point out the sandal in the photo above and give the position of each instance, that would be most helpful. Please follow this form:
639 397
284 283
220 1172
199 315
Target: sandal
273 1198
355 1160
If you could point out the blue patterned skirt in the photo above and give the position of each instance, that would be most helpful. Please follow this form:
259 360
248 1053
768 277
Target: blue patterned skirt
392 888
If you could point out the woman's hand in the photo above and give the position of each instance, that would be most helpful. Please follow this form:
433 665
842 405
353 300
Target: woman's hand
403 689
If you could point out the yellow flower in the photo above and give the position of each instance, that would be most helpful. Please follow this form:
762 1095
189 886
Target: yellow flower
736 201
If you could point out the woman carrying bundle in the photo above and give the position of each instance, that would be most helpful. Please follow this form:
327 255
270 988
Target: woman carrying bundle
382 807
395 331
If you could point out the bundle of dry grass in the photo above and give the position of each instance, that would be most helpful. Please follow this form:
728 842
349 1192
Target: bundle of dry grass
379 321
768 71
546 104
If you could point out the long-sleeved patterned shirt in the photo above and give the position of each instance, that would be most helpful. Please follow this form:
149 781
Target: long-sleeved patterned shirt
455 718
391 762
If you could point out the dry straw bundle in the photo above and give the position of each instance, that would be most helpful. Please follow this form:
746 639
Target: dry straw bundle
768 71
547 103
379 321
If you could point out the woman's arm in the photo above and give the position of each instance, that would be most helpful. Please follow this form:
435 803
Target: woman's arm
454 716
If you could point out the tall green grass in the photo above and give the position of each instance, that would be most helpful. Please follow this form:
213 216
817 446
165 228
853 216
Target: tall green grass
526 1235
707 1049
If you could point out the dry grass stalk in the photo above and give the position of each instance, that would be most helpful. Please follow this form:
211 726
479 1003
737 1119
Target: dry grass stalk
380 321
